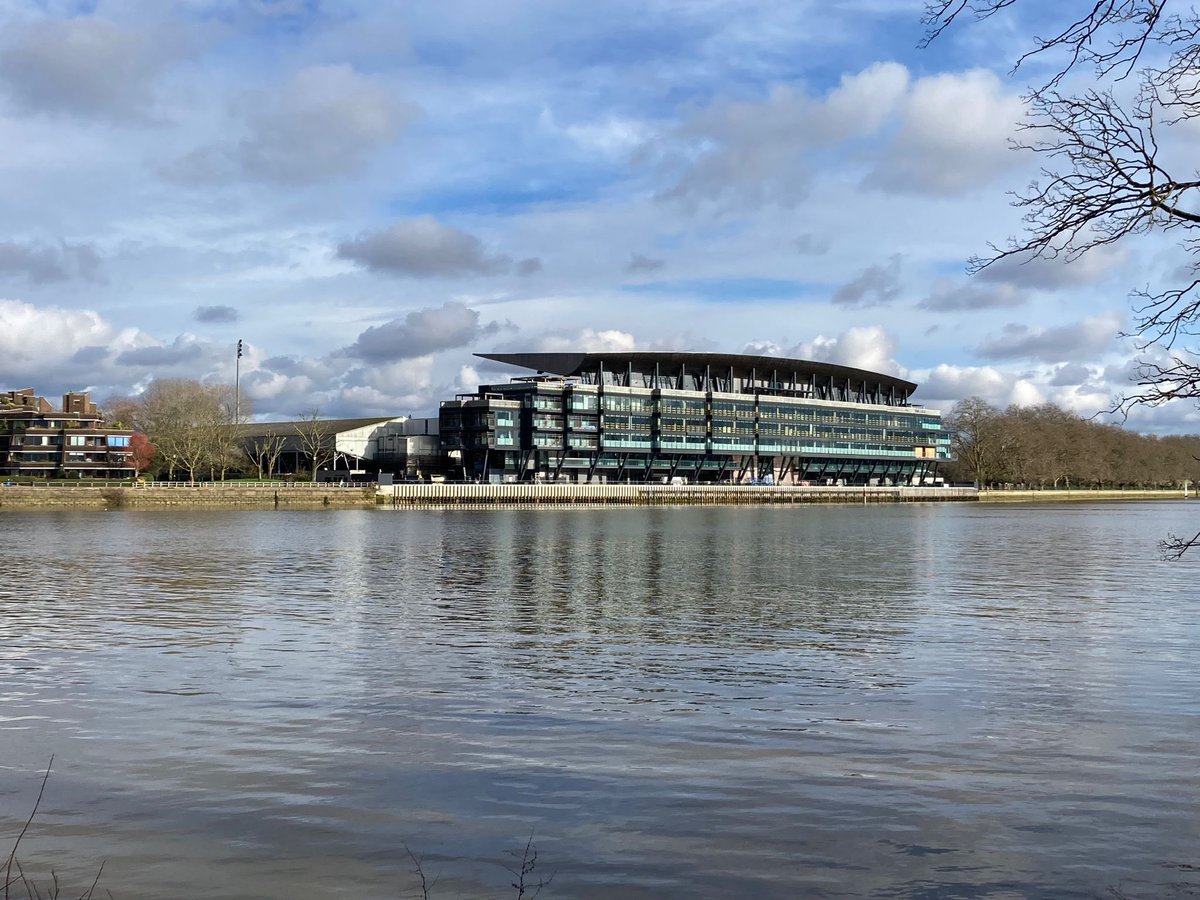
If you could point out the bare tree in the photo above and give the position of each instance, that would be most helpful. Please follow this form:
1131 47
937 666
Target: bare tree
264 452
228 452
1118 160
188 421
977 438
314 433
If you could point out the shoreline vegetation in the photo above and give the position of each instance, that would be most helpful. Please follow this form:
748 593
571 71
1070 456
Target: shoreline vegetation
298 496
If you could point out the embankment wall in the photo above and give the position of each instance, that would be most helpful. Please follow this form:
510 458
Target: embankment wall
1073 496
182 495
218 495
402 495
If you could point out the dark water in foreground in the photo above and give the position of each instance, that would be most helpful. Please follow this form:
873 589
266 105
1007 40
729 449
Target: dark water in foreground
902 701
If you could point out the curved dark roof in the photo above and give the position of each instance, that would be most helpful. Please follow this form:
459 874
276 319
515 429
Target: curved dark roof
567 364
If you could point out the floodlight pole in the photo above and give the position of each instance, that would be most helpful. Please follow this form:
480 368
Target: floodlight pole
237 386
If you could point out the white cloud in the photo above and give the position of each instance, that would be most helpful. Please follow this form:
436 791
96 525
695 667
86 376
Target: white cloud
587 339
29 334
867 347
944 385
950 135
611 137
953 136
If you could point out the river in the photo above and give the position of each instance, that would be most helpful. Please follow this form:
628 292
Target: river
926 701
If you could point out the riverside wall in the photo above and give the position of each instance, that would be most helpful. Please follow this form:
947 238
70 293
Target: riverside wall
213 495
305 495
405 495
1072 496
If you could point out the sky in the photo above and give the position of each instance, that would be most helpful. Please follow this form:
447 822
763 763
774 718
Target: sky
367 192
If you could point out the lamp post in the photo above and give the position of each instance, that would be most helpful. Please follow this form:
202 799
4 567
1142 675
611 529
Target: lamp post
237 386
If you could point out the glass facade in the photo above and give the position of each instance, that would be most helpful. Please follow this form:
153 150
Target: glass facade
649 417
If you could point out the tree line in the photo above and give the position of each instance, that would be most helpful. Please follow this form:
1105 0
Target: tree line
1046 446
195 429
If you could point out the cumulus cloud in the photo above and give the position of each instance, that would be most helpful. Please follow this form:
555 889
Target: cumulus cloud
863 347
323 122
876 285
745 153
584 340
48 262
1075 341
589 339
953 136
763 348
28 333
941 134
215 314
866 347
640 263
468 379
945 385
50 348
423 248
388 389
420 333
86 66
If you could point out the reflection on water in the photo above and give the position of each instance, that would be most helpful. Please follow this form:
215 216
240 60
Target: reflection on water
941 701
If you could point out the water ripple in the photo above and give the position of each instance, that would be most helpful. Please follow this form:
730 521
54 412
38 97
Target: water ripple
918 701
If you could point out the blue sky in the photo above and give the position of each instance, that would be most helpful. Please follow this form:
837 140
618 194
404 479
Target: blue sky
366 193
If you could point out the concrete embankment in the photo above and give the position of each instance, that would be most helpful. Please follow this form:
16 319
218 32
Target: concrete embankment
1074 496
405 495
217 495
183 495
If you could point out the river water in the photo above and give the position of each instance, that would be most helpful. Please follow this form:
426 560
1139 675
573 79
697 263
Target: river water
891 701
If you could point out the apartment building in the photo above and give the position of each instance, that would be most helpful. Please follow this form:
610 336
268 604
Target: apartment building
69 442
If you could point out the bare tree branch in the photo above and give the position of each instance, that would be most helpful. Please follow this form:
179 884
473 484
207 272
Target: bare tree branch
1115 165
1133 25
1174 547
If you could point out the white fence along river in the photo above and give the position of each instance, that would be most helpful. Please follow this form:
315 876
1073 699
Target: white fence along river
659 494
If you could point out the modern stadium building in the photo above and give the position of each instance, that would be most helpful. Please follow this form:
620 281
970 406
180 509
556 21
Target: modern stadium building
706 417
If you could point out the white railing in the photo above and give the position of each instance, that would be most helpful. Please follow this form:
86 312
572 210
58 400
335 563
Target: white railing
72 485
404 494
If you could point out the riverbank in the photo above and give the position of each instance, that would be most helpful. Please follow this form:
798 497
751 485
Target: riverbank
1073 496
307 495
163 496
233 494
404 495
